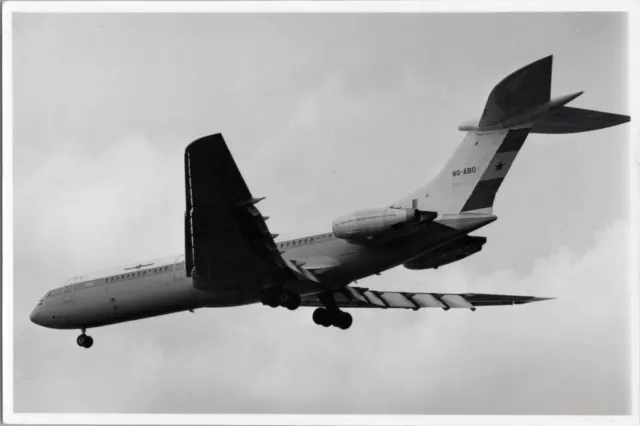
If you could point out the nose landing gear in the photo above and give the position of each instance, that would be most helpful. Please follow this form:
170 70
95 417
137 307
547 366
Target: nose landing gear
84 341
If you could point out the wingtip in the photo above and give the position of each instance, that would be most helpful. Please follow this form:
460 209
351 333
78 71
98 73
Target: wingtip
217 137
546 62
540 299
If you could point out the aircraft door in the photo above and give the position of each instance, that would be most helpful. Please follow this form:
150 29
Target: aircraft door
179 269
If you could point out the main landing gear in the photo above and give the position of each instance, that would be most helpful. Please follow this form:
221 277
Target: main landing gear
326 317
331 313
275 297
84 341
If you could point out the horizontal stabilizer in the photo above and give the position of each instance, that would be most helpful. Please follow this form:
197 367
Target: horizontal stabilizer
576 120
562 120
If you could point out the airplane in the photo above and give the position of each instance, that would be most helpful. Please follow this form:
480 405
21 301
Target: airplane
231 257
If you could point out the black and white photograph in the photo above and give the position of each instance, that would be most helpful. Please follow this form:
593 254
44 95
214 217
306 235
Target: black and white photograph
235 213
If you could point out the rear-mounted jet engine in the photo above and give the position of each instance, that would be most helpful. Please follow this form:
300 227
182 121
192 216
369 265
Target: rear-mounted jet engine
366 224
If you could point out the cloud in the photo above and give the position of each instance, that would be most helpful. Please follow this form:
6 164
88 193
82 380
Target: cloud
566 356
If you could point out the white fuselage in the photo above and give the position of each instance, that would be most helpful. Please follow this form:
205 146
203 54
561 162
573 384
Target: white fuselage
159 288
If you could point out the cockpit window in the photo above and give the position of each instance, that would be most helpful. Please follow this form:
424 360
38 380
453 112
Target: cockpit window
48 294
74 280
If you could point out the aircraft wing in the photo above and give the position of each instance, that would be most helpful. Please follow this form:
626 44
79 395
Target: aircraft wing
359 297
227 241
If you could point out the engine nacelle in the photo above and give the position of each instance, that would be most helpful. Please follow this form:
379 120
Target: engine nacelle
370 223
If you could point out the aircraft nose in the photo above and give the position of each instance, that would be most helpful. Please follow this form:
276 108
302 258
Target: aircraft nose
36 316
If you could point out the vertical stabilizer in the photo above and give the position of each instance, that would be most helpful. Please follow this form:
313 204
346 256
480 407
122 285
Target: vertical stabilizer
518 93
517 106
472 176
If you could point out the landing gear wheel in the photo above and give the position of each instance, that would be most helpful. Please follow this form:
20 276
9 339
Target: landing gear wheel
84 341
293 302
321 317
284 297
269 297
343 320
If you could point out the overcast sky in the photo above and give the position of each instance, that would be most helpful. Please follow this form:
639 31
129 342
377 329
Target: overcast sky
325 114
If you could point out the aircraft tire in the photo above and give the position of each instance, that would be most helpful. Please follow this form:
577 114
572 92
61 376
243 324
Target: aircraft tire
84 341
88 342
342 320
284 297
269 297
321 317
294 301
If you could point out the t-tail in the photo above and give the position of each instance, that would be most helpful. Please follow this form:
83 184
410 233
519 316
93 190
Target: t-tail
517 106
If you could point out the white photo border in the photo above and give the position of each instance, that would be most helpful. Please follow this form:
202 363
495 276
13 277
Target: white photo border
12 7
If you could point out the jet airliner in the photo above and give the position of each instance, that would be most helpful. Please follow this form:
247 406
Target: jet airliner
231 258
